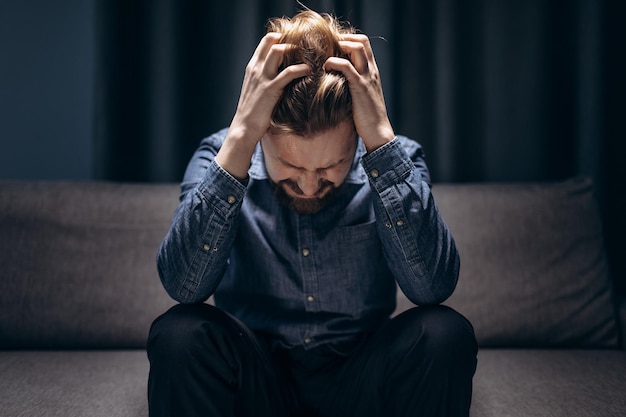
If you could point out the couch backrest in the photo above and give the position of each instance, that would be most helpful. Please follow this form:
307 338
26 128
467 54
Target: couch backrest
533 264
78 263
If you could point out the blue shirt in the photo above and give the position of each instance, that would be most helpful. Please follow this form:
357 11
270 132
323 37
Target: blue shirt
310 279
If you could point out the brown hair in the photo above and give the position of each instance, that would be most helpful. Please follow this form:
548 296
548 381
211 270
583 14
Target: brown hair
320 100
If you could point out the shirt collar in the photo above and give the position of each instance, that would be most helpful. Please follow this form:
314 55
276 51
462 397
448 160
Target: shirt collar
356 175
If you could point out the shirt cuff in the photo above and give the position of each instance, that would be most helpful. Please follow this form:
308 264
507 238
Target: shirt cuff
387 165
220 189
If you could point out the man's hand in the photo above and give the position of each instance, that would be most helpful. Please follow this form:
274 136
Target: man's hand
368 103
262 88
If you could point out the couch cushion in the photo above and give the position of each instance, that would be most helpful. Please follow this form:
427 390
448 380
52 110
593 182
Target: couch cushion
522 383
78 262
514 383
533 264
74 383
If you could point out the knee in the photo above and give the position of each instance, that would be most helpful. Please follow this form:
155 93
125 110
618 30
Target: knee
442 332
186 326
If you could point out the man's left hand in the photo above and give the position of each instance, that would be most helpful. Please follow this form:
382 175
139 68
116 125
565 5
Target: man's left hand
368 103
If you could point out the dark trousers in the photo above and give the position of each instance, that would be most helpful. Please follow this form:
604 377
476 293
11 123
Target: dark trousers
204 362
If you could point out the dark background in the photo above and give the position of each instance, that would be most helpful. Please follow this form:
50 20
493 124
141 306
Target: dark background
495 90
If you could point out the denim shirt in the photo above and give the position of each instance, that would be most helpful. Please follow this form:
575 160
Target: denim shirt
309 279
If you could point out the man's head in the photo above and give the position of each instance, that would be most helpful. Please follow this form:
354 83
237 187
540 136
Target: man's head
311 141
321 100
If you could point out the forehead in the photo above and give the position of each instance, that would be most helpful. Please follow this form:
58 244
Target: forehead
321 150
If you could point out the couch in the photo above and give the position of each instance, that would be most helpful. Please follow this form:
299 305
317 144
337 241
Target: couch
79 289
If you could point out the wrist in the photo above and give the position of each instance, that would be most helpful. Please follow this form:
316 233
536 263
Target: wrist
380 138
236 153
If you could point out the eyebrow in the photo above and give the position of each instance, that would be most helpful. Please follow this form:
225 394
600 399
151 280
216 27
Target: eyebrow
332 165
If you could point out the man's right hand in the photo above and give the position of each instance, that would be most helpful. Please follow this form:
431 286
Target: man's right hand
262 88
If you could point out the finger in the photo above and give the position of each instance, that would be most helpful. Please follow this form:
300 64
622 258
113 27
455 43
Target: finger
343 66
365 41
291 73
274 59
357 53
265 44
358 38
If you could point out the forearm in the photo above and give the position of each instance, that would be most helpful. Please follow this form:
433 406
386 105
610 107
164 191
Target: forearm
236 152
418 246
194 254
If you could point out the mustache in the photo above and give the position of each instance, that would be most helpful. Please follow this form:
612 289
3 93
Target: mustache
303 205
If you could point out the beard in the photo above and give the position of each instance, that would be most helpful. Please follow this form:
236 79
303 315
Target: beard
302 205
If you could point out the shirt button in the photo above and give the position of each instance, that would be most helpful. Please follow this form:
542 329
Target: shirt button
400 223
231 199
307 341
310 298
374 173
306 252
206 247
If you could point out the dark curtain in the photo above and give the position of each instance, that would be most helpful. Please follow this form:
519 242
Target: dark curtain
495 90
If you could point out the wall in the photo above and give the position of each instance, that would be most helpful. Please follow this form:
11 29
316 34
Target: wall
46 89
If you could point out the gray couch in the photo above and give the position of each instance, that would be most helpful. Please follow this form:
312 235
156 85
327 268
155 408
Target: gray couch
79 289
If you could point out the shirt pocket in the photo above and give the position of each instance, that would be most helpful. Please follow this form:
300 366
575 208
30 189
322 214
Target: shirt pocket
357 233
358 262
359 251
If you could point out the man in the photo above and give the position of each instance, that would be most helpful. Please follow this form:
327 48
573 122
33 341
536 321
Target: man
300 219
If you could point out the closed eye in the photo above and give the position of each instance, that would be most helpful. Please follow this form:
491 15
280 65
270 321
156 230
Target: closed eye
322 169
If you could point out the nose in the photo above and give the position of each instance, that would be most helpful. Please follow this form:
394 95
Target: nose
309 183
